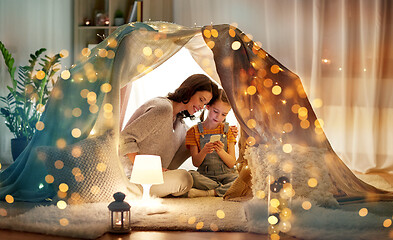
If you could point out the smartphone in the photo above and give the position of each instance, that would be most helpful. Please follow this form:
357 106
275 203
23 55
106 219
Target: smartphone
214 138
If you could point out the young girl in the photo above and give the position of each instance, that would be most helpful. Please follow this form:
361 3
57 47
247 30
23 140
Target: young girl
214 159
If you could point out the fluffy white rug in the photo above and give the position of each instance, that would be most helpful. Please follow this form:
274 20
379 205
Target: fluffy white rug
320 223
89 221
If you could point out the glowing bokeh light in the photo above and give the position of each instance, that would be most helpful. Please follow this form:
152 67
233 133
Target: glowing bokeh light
40 126
260 194
76 151
191 220
40 75
63 187
106 87
251 141
236 45
65 74
101 167
363 212
59 164
306 205
64 53
199 225
220 214
214 227
9 198
312 182
272 220
61 204
61 143
86 52
64 222
287 148
76 132
214 33
275 69
147 51
276 90
251 90
275 202
387 223
3 212
76 112
268 83
251 123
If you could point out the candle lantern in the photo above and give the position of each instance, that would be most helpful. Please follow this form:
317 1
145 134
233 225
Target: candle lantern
120 214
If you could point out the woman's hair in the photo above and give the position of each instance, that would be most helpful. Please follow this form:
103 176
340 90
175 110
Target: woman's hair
193 84
220 97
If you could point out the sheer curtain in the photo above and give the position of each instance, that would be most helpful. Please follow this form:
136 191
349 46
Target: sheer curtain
26 26
343 52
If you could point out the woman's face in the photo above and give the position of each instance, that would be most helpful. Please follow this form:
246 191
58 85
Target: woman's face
198 101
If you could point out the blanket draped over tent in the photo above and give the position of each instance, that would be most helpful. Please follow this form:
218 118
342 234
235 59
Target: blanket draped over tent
80 126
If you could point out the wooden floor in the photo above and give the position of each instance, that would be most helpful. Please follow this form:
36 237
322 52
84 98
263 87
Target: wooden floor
147 235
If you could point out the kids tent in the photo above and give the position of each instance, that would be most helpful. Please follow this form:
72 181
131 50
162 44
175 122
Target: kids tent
77 138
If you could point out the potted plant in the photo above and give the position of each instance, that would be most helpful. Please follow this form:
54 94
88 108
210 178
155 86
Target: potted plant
119 18
28 94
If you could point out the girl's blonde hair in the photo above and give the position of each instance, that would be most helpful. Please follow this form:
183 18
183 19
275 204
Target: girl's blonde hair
220 97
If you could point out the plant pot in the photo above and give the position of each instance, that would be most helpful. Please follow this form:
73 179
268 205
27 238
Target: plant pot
17 146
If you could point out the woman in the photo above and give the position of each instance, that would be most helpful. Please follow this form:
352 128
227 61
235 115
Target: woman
157 128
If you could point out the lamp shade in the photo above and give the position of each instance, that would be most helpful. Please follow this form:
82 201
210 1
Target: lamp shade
147 169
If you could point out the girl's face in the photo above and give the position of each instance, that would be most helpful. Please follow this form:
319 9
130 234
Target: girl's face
218 111
198 101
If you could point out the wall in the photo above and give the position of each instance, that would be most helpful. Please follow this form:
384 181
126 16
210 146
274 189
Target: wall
26 26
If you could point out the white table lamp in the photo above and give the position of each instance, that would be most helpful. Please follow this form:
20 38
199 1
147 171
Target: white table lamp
147 170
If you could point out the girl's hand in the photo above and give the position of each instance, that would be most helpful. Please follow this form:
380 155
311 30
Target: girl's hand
234 130
218 146
208 148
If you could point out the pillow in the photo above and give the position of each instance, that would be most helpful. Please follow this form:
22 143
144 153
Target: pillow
303 167
89 169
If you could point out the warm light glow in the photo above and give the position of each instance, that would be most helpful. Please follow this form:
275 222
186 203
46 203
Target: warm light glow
251 123
93 108
214 227
63 187
64 53
102 53
232 32
199 225
207 33
387 223
108 107
147 51
191 220
61 204
211 44
76 151
276 90
84 93
112 43
312 182
304 124
260 194
111 54
158 52
275 69
40 75
268 83
272 220
3 212
275 236
9 199
147 169
306 205
40 126
61 143
317 103
236 45
63 222
274 202
101 167
214 33
65 74
287 148
287 167
86 52
106 87
363 212
76 112
59 164
287 127
251 90
76 132
220 214
251 141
